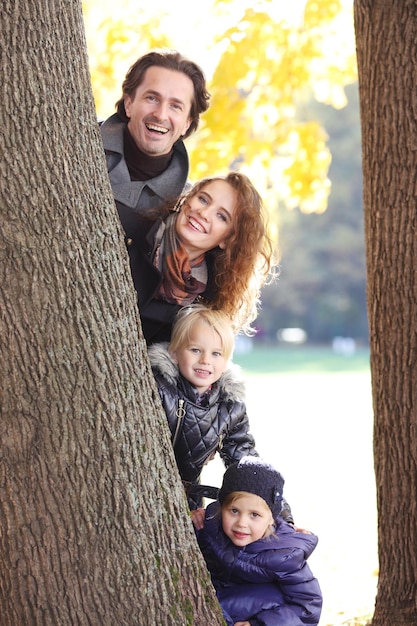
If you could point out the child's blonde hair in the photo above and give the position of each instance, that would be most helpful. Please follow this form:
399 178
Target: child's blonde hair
189 315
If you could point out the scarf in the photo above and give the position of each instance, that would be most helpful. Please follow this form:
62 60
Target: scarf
182 280
140 165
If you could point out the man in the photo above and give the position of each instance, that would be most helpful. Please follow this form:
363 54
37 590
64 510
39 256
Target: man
163 96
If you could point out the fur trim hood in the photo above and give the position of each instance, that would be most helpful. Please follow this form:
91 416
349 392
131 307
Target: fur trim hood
231 383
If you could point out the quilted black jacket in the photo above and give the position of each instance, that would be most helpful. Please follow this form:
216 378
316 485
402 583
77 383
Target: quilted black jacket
214 422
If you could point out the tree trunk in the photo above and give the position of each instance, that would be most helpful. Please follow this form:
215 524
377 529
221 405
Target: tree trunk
94 526
386 34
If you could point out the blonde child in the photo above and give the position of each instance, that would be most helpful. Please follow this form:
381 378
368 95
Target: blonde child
257 561
203 395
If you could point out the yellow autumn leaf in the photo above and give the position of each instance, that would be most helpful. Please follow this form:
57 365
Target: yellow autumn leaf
267 70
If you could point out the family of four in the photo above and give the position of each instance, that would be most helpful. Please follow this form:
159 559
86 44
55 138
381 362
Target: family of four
199 255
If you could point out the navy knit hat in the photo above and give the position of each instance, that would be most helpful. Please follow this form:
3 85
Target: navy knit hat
253 475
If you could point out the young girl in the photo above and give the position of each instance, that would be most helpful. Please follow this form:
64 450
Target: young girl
202 394
213 248
256 560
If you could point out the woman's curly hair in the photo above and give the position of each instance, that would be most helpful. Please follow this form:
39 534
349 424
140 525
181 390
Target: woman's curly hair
247 261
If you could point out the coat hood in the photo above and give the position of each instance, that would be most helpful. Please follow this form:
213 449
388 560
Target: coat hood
231 383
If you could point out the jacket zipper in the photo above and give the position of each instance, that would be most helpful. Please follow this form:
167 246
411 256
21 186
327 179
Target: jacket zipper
180 413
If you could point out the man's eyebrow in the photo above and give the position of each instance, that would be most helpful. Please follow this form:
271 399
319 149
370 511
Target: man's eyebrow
153 92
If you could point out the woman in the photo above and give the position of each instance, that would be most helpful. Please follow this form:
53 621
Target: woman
213 247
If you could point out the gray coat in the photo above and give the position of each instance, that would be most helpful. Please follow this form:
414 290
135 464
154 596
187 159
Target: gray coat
134 197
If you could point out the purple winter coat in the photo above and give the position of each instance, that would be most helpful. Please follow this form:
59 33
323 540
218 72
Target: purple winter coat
268 582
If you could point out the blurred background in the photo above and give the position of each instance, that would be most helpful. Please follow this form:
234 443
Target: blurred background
285 111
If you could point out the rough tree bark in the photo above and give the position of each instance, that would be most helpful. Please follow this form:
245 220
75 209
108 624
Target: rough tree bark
386 35
94 528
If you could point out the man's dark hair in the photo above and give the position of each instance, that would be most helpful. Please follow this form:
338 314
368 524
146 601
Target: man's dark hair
170 60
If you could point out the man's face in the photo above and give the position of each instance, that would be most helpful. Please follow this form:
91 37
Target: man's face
159 111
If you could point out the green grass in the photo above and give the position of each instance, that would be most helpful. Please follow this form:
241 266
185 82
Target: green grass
285 359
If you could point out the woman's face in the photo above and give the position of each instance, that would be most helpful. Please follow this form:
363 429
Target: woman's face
206 220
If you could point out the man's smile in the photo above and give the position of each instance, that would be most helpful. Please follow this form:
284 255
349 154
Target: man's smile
156 128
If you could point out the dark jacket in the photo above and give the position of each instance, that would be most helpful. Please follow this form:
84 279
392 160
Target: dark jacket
214 422
157 316
134 199
268 582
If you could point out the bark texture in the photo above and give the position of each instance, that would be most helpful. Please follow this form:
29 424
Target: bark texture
94 527
386 35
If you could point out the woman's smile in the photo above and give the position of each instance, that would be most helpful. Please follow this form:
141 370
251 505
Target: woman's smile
194 223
